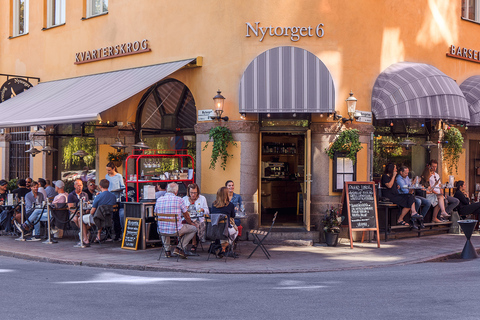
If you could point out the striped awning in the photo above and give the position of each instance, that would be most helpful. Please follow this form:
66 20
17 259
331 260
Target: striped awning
408 90
81 99
286 79
471 91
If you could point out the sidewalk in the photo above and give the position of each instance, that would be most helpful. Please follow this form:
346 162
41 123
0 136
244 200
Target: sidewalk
285 259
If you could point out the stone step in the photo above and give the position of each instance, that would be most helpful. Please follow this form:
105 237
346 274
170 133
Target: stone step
291 236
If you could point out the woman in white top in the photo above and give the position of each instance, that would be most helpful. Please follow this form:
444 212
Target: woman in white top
197 208
115 179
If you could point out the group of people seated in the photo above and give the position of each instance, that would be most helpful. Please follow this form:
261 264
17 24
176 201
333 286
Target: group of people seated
397 187
190 211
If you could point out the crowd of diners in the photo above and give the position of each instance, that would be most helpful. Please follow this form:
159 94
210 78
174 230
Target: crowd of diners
191 211
397 186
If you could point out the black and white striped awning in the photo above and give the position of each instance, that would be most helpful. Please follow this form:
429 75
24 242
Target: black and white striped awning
408 90
286 80
471 91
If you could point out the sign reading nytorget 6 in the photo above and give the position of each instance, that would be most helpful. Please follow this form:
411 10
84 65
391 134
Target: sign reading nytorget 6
12 87
110 52
295 33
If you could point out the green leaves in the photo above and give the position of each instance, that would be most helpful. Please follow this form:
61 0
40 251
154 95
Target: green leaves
348 141
452 144
222 137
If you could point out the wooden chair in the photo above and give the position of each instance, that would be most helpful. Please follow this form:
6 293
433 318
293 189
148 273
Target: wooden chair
258 241
169 218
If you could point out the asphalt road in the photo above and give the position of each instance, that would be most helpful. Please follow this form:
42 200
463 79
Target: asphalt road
34 290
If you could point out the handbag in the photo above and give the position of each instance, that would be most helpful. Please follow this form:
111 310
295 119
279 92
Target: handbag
232 222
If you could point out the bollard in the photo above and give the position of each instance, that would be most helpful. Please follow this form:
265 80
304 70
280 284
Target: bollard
22 212
49 240
80 244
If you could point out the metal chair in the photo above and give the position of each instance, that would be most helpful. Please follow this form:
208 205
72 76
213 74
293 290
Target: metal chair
258 241
169 218
216 232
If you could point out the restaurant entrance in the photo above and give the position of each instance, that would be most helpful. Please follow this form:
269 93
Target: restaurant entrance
283 171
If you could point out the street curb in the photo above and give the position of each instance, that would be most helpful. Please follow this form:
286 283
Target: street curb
188 269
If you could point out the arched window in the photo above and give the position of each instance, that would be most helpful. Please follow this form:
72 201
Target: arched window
166 107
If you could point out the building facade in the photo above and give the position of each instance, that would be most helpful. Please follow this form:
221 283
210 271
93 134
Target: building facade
102 71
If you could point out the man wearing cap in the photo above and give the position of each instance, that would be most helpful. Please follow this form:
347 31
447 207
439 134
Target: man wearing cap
3 198
60 218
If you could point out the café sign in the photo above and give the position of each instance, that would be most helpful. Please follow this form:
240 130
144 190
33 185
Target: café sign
464 54
110 52
295 33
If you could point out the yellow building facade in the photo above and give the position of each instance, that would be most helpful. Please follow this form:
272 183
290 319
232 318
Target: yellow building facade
281 129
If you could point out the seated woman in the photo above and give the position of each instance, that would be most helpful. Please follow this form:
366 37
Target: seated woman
405 201
465 207
434 195
223 205
197 207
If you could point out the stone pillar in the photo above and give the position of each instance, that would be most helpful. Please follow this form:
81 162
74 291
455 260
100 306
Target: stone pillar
5 155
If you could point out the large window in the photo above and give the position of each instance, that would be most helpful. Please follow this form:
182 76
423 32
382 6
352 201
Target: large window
344 170
471 10
55 13
19 160
96 7
20 17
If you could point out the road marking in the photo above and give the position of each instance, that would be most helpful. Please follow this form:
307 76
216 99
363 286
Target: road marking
6 270
111 277
297 285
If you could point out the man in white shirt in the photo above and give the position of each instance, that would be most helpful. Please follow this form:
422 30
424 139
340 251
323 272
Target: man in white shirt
451 201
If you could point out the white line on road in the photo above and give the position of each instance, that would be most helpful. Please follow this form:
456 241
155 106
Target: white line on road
6 270
111 277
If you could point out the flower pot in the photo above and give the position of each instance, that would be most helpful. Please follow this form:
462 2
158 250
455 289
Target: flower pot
331 239
117 163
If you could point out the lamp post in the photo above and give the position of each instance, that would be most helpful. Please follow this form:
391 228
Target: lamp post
219 101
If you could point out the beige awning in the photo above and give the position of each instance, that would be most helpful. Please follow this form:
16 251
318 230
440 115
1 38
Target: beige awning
81 99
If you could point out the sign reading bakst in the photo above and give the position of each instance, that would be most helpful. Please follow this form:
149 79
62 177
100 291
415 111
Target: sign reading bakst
295 32
119 50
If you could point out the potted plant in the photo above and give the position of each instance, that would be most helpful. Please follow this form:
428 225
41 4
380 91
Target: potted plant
117 158
222 137
331 226
347 141
452 144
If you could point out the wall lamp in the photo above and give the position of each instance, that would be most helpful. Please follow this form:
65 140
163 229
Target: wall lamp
351 107
219 101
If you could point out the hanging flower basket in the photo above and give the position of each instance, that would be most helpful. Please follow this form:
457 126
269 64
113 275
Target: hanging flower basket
347 141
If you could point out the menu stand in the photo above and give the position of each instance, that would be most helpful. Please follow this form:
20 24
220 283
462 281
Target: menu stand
467 226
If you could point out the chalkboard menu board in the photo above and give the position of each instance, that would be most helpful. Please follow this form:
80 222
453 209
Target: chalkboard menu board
131 233
361 202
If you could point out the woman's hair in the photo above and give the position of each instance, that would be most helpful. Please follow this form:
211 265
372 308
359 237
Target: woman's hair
222 198
459 184
228 181
426 176
192 186
112 166
389 168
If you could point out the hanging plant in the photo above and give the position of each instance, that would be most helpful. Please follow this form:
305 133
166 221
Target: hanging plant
222 137
452 144
347 141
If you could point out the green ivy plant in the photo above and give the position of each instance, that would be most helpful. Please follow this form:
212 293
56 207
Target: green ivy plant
452 144
222 137
347 141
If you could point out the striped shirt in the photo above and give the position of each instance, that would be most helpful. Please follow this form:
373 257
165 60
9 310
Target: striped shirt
170 204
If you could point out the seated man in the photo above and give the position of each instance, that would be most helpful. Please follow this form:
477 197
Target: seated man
91 189
59 218
4 216
104 198
74 199
171 204
404 183
33 199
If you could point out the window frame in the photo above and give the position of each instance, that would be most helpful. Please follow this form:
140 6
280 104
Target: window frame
465 7
60 8
16 18
90 6
336 156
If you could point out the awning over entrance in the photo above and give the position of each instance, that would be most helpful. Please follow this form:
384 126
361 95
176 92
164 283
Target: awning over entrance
81 99
408 90
286 79
471 91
